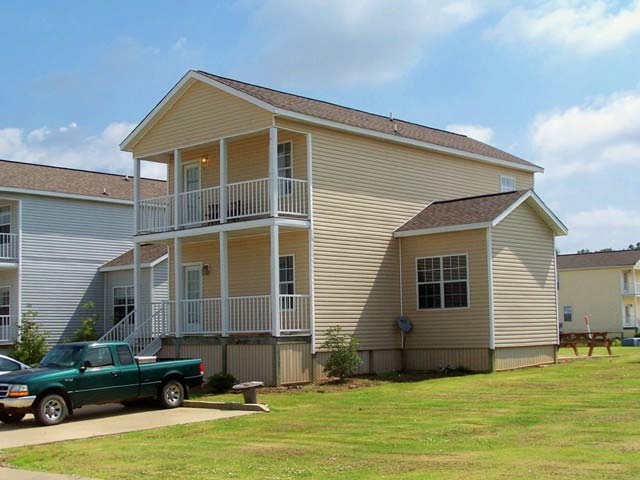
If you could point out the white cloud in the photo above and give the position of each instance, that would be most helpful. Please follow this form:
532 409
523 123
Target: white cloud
355 42
68 146
589 138
580 26
483 134
586 228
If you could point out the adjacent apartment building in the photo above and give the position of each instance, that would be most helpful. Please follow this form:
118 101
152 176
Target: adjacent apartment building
604 286
286 216
57 227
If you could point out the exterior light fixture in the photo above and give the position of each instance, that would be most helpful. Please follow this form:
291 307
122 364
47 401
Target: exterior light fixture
204 160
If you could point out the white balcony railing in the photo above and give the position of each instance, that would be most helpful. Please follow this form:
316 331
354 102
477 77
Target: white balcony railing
201 316
7 328
251 314
251 198
155 214
8 246
294 313
248 199
629 290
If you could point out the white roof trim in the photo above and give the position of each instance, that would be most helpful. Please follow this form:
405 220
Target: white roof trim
191 74
448 228
117 268
73 196
548 216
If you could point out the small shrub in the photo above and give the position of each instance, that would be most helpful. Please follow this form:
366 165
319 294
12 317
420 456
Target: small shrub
616 342
391 376
453 370
87 330
344 360
32 343
221 382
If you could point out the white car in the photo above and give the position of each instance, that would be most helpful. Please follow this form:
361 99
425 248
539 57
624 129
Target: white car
8 364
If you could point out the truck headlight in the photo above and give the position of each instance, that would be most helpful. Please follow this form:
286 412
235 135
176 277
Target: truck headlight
19 391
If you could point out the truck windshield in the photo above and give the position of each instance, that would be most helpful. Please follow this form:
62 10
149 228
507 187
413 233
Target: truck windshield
62 356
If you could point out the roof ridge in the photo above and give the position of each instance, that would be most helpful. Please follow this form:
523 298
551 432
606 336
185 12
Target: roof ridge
608 251
78 170
485 195
338 105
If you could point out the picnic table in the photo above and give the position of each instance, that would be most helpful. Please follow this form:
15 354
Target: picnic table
593 339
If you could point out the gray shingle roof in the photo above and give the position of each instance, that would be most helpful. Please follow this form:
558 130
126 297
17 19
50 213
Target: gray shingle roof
619 258
148 254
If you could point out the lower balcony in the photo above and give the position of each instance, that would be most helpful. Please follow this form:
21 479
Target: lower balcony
8 329
8 247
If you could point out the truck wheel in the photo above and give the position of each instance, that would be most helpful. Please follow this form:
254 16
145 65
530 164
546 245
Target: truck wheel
50 410
172 394
11 417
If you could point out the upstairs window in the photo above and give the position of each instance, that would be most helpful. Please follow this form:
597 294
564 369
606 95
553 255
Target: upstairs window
123 302
5 302
443 282
568 313
507 184
285 160
287 281
5 219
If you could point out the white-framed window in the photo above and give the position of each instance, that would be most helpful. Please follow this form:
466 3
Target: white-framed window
507 184
287 280
285 160
5 219
191 177
123 302
5 301
442 282
567 313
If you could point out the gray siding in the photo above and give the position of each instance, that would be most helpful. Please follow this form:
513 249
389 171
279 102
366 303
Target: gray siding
64 242
160 286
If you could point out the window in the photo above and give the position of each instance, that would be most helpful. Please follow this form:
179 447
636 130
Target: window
5 301
568 313
443 282
8 365
507 184
285 160
287 280
99 357
5 219
123 302
124 355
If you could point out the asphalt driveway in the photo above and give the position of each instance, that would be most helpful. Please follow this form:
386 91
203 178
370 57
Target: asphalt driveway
98 420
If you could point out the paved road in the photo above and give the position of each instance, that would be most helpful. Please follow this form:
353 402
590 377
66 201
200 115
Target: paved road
11 474
94 421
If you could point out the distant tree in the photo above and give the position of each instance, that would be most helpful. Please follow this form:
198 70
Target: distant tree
606 250
584 250
634 247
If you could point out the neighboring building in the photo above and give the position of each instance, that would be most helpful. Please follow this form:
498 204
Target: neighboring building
603 285
58 226
287 216
118 282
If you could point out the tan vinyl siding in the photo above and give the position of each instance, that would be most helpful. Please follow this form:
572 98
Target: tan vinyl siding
456 328
596 293
363 190
248 263
202 114
524 281
518 357
475 359
251 362
295 362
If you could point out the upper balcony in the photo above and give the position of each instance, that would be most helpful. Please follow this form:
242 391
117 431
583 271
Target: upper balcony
249 177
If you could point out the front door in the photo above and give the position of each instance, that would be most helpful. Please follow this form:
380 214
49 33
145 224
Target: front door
192 312
100 382
192 207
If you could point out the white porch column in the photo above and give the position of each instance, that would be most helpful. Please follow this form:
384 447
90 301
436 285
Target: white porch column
312 310
224 285
273 170
138 317
275 280
635 296
178 283
136 195
223 181
177 186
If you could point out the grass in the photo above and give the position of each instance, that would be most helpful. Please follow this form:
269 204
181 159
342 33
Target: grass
575 420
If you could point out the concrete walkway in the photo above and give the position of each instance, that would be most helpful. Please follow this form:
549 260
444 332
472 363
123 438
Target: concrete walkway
11 474
94 421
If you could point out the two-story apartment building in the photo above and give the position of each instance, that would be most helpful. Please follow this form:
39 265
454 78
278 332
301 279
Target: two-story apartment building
287 215
604 286
57 227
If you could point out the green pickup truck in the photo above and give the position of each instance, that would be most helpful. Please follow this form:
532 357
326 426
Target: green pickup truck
72 375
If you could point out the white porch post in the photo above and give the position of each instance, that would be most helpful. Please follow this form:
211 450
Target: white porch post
137 288
635 296
273 171
312 314
223 181
136 195
178 283
224 285
177 186
275 280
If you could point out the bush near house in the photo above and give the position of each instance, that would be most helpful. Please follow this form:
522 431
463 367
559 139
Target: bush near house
221 382
32 343
344 360
87 330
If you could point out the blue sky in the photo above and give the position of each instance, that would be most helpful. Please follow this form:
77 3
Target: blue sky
557 83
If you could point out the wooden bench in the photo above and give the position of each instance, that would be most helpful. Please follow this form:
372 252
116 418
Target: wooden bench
593 339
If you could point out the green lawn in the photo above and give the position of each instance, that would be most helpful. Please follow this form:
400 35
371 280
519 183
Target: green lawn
574 420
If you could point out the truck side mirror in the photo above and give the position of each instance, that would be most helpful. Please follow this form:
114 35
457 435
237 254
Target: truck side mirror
86 364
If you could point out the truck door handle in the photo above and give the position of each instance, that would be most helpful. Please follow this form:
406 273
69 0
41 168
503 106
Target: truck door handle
115 374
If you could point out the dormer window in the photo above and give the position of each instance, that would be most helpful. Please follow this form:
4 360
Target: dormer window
507 184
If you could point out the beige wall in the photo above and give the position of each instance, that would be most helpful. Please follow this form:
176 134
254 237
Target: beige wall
201 114
363 190
456 328
524 280
596 293
248 263
518 357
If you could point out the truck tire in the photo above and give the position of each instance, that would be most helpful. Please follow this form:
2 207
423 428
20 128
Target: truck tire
172 394
50 410
6 417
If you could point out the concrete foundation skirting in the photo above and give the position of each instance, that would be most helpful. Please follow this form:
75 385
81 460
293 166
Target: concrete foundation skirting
249 407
